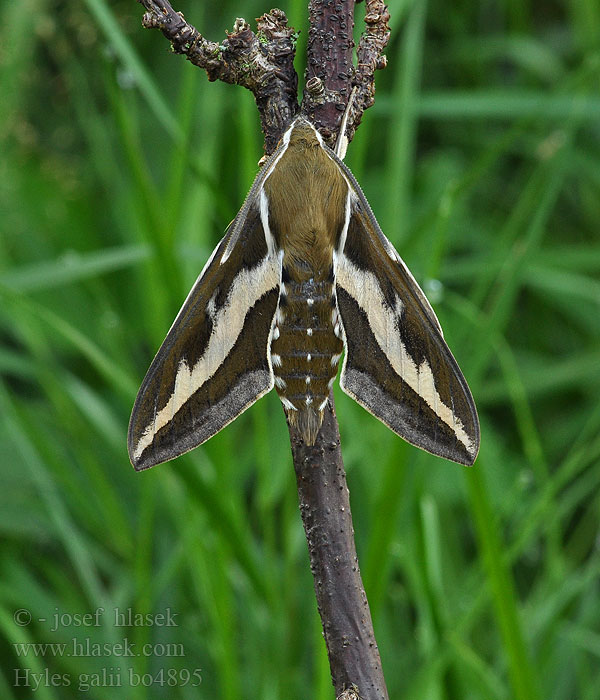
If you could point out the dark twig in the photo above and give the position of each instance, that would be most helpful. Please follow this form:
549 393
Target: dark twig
324 499
330 72
341 600
329 68
370 58
263 61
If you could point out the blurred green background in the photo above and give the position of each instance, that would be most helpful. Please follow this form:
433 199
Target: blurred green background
120 168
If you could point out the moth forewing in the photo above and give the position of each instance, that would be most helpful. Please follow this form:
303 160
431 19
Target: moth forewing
397 364
360 203
214 362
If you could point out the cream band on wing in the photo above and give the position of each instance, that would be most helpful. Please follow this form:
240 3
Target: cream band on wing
362 285
250 284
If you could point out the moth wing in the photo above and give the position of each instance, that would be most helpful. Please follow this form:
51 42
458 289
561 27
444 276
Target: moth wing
397 364
215 361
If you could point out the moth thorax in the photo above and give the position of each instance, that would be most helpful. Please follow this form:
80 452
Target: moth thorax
305 351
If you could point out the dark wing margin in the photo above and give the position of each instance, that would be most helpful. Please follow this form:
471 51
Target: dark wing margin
397 364
214 362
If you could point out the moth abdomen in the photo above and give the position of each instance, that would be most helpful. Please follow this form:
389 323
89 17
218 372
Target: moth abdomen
303 348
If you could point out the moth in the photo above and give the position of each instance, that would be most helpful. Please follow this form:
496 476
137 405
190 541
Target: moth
302 277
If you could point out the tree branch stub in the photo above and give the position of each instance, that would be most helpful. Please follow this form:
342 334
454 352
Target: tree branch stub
370 58
262 62
331 73
329 61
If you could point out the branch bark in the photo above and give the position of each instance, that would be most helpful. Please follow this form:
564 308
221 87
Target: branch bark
331 74
324 499
262 62
370 59
325 508
329 70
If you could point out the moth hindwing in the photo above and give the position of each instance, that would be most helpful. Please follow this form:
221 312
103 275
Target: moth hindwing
303 275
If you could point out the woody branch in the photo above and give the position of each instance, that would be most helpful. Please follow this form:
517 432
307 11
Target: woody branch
331 74
341 600
323 494
261 61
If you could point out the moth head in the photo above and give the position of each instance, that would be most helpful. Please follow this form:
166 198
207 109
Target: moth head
302 135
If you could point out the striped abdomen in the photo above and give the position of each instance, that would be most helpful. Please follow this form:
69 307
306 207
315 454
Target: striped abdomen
305 350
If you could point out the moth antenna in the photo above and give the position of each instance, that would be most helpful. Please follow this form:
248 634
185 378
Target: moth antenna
342 140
